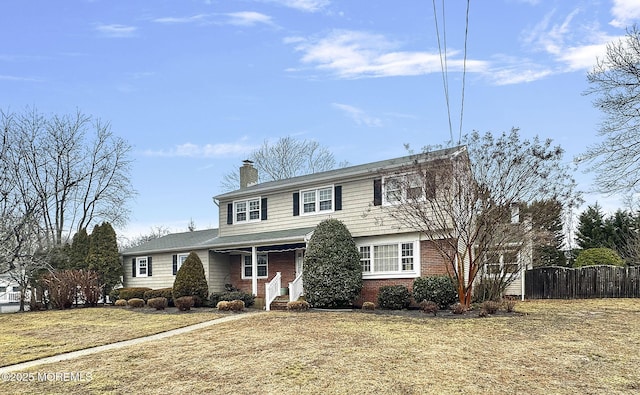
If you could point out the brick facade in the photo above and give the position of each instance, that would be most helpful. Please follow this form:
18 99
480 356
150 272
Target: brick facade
431 263
283 262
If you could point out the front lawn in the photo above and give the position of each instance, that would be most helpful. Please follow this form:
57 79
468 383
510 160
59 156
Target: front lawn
32 335
560 347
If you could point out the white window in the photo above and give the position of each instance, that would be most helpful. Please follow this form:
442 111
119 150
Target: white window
317 200
246 210
141 267
501 264
408 188
262 265
389 259
180 260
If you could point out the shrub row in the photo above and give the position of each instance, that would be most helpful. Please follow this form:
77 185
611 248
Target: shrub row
128 293
160 293
437 289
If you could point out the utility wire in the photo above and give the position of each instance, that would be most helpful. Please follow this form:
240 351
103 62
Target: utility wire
443 66
464 69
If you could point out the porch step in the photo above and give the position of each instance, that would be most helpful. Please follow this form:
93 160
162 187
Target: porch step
280 303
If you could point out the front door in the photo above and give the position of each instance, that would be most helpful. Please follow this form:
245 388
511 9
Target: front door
299 260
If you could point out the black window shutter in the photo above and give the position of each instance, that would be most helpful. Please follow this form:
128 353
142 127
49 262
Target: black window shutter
175 264
133 267
337 195
230 214
263 209
296 204
377 192
149 266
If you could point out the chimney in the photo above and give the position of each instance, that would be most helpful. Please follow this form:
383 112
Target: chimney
248 174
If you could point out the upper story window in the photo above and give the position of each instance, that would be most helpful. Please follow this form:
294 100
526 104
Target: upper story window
408 187
317 200
246 210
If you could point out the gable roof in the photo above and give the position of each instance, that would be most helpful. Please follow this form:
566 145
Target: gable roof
342 173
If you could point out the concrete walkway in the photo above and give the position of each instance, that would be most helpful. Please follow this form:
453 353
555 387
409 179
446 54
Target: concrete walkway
122 344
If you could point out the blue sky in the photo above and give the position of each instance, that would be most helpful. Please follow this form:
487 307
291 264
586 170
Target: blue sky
196 85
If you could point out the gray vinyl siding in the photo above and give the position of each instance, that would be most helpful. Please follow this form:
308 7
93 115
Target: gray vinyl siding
219 265
358 213
162 270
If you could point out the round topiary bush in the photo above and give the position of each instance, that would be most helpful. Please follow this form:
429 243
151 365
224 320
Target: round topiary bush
438 289
135 302
191 281
394 297
159 303
332 270
598 256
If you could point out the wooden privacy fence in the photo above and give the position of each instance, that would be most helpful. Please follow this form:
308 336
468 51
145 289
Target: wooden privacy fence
583 282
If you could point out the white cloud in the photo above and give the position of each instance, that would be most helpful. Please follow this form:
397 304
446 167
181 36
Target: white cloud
115 30
303 5
625 13
358 115
190 150
242 18
248 18
355 54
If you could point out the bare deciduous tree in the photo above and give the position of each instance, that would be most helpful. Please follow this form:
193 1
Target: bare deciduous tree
75 168
615 79
465 200
284 159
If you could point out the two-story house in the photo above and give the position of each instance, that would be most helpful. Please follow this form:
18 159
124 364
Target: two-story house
264 229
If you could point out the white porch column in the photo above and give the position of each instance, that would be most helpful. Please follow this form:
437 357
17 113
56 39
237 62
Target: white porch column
254 270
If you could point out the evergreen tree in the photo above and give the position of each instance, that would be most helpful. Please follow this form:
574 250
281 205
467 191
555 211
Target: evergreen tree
191 281
621 230
104 258
591 228
332 269
79 251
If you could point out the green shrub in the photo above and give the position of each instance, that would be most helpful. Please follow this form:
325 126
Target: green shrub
120 302
191 281
158 303
438 289
132 292
135 302
247 298
368 306
298 305
184 303
490 306
598 256
160 293
429 307
332 270
394 297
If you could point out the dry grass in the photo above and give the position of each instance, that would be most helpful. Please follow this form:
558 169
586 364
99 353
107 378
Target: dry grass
560 347
28 336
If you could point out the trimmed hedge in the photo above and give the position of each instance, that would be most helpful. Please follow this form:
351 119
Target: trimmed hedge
128 293
120 303
438 289
394 297
184 303
135 302
228 296
191 281
160 293
158 303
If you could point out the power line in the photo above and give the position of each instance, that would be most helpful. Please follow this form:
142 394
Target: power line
443 66
464 69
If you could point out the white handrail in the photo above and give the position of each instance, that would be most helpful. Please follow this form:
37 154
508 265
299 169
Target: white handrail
272 290
296 289
10 297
